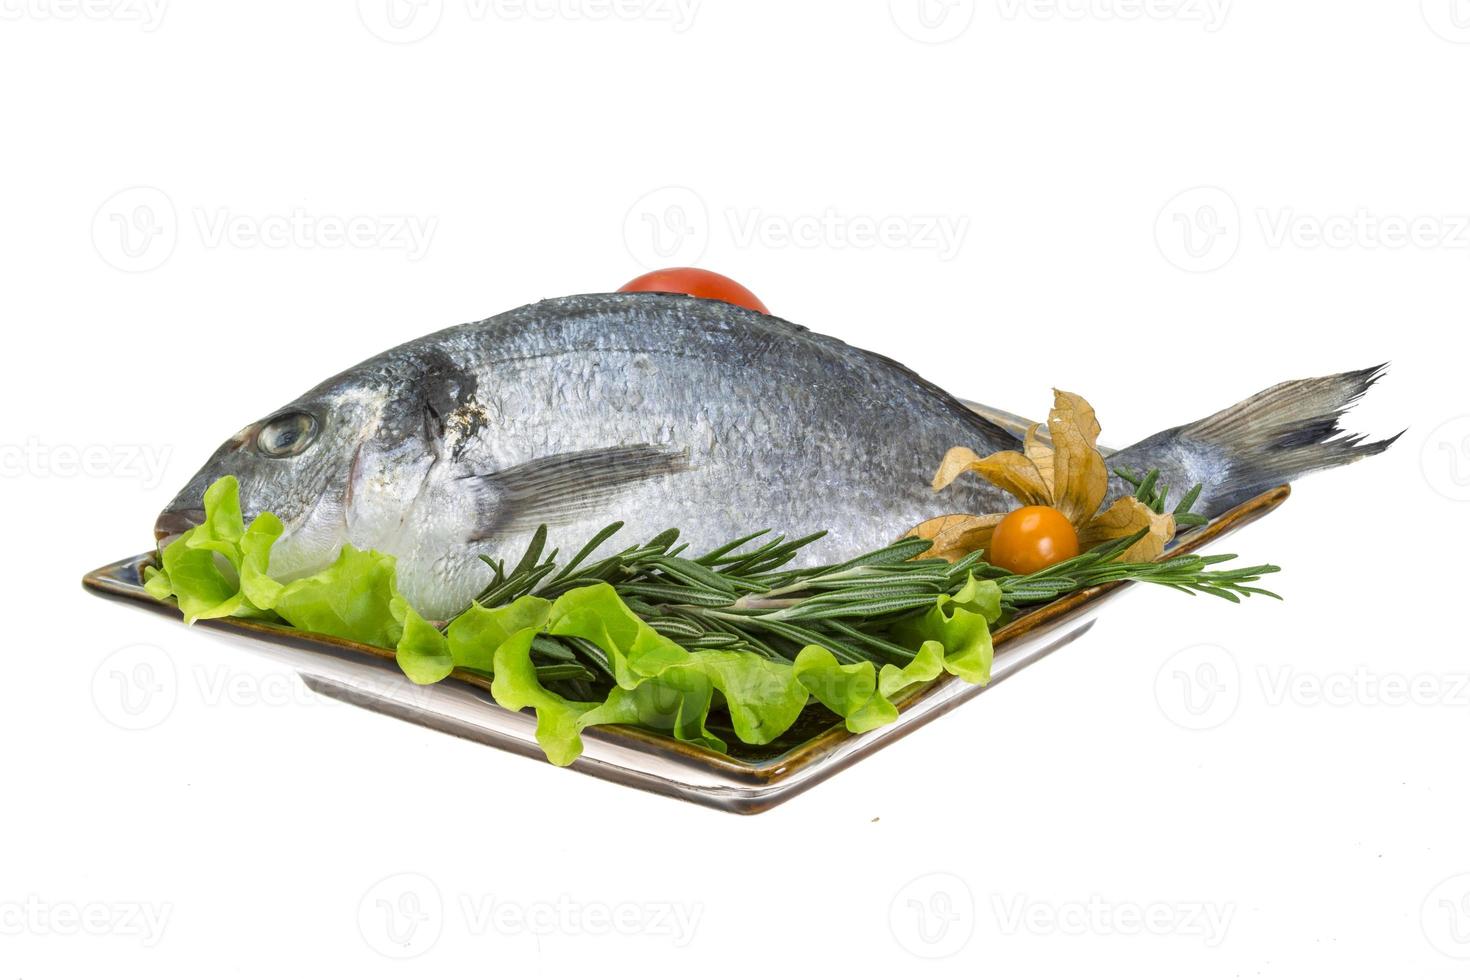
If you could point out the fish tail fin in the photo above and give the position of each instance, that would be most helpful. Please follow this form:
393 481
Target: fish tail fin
1269 439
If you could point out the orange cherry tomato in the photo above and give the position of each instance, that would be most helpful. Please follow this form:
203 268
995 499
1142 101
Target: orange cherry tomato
696 282
1030 539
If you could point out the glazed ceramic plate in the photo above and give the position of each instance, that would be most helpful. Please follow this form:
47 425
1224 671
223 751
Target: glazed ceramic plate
748 780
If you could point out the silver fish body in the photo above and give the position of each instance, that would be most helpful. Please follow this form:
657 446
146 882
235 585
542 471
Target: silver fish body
660 411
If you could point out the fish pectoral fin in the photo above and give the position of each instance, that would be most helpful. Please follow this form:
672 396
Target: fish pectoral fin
559 489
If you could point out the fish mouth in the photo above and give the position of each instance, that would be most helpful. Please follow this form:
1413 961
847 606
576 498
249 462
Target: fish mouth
173 523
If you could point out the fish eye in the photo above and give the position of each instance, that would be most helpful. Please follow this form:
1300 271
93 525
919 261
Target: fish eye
286 435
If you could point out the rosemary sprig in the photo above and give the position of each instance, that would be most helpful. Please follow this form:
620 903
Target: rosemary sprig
1186 573
744 594
1156 497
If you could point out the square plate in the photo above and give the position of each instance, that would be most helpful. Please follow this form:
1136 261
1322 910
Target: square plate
748 780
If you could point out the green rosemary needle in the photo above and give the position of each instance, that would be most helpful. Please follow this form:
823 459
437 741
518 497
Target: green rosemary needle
746 595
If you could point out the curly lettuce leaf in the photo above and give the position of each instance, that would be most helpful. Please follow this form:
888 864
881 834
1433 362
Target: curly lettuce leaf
960 624
201 568
761 695
659 683
352 598
221 568
422 651
474 635
558 720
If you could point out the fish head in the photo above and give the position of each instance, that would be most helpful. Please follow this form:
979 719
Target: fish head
297 463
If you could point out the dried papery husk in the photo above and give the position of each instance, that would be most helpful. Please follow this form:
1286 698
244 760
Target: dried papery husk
958 460
956 535
1126 516
1042 454
1081 412
1008 470
1080 476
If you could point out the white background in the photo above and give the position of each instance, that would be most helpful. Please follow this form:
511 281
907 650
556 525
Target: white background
1307 821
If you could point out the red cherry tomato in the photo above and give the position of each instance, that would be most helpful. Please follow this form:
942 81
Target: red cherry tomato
1030 539
696 282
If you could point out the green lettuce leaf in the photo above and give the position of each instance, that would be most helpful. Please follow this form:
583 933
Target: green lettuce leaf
201 568
352 598
221 568
476 633
762 695
558 720
960 624
423 652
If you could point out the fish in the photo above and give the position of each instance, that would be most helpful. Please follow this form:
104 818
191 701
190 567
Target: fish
669 411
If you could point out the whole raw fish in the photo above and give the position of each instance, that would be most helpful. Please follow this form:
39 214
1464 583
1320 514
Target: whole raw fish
667 411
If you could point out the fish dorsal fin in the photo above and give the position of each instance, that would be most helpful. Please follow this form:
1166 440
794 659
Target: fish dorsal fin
561 488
